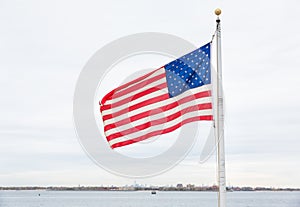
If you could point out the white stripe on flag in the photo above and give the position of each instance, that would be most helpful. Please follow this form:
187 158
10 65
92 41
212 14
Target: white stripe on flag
154 105
139 100
160 115
160 127
149 85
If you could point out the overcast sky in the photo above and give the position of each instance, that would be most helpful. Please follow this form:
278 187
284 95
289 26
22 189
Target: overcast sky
45 44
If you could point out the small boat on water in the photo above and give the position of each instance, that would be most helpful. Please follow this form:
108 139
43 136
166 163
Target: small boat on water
153 192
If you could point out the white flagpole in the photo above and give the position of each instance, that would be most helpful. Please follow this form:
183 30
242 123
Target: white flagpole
220 120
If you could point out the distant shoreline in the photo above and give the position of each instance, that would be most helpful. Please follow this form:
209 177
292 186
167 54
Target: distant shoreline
152 188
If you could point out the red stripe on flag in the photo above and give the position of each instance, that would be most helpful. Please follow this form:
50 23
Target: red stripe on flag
134 97
114 93
159 132
155 111
160 121
136 106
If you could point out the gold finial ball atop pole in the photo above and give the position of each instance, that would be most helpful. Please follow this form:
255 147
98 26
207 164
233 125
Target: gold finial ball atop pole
218 11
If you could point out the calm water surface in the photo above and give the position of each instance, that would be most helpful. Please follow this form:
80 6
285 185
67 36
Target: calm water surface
145 199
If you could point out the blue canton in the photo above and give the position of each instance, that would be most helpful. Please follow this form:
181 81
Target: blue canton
189 71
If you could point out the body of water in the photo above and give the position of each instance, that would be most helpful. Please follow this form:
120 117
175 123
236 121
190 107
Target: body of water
145 199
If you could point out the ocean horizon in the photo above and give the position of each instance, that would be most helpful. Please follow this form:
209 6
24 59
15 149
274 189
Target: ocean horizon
46 198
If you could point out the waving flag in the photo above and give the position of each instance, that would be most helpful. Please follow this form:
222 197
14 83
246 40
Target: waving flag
160 101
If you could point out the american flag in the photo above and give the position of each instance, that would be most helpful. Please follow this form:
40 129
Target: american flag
160 101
